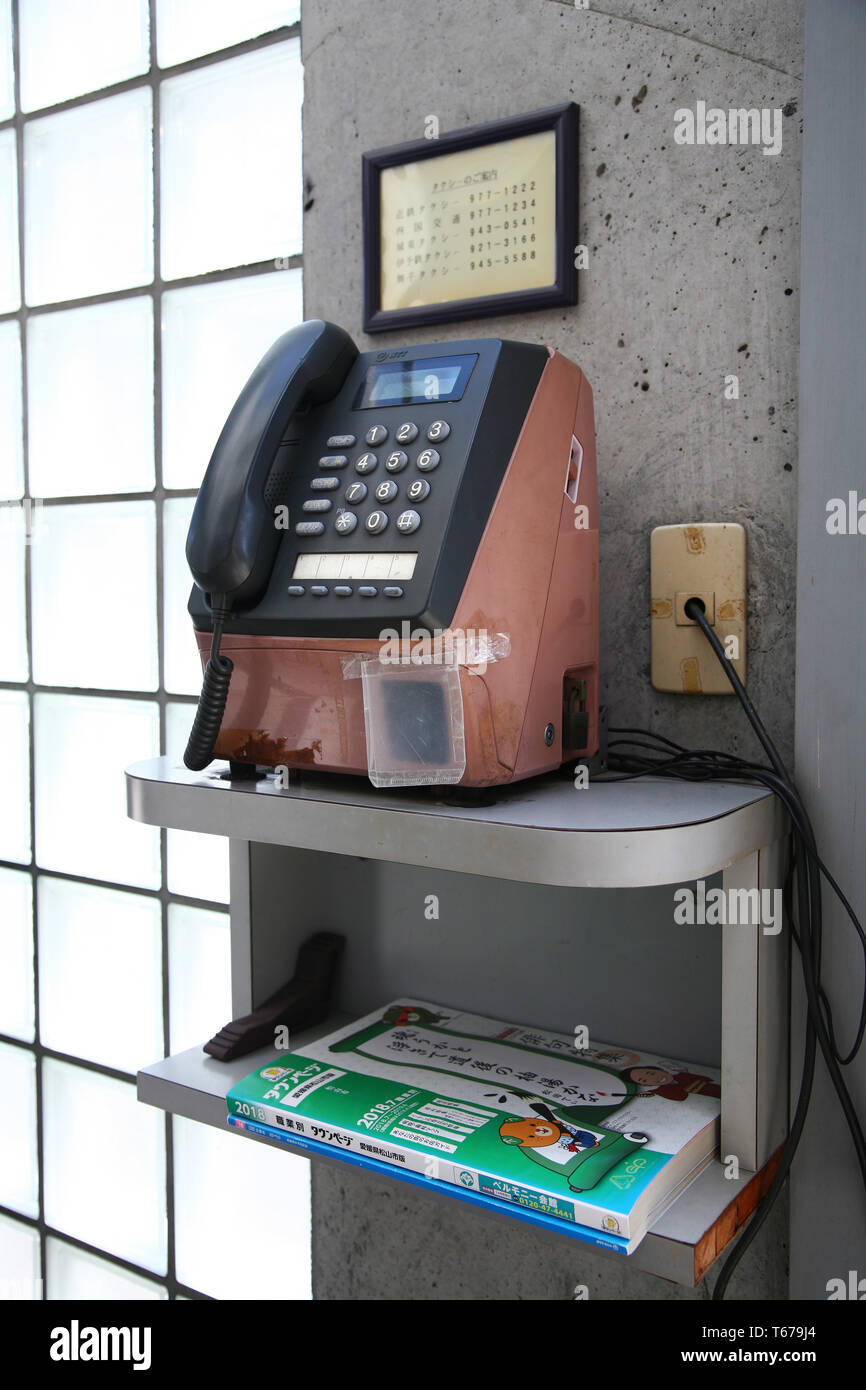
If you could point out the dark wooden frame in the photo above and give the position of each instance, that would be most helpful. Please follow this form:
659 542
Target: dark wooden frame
563 120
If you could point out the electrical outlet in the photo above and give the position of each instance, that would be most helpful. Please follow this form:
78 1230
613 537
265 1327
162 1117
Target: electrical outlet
705 560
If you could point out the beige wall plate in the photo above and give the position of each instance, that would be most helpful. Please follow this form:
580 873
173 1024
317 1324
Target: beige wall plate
706 559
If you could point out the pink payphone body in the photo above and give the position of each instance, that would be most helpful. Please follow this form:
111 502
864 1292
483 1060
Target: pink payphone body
399 553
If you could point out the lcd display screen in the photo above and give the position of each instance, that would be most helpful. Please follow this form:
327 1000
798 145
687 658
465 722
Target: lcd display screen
422 380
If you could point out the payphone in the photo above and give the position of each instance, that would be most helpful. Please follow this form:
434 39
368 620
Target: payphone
395 557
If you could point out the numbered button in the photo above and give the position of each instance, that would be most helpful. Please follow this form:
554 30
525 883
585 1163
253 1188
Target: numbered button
406 433
396 462
427 460
418 489
376 523
407 522
386 491
376 434
345 523
355 493
366 463
438 430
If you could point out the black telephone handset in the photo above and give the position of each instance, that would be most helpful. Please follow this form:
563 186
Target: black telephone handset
233 540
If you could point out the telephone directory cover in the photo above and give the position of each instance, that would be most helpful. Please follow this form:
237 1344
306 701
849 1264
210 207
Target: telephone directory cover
598 1141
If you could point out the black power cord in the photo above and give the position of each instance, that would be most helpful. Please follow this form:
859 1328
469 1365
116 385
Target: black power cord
214 693
805 873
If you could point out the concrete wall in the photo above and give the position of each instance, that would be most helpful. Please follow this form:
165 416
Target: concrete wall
693 275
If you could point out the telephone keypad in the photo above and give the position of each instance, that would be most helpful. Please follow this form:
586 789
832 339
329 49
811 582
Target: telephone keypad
345 523
345 518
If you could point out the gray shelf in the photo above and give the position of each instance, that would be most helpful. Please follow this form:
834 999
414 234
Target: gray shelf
680 1246
545 832
608 835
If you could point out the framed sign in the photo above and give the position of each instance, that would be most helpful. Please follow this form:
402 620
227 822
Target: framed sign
479 221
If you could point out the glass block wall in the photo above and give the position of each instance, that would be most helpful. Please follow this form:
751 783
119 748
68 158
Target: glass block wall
150 251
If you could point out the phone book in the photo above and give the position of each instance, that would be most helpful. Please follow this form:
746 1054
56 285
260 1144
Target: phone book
595 1141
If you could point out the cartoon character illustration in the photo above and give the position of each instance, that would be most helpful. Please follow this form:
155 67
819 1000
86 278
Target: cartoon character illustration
656 1081
402 1015
569 1148
615 1056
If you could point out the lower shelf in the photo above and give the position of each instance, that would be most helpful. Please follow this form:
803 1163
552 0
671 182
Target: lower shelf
681 1246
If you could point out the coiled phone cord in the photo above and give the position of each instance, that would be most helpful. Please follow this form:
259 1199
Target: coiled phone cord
212 701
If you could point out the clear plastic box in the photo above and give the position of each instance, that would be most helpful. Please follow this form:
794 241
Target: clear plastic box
413 716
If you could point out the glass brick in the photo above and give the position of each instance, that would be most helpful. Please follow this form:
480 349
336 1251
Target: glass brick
103 556
16 955
15 783
100 974
19 1184
13 539
231 162
20 1262
90 396
83 743
69 47
7 79
213 337
199 973
183 672
189 28
11 451
89 199
78 1276
10 284
104 1164
197 865
261 1191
